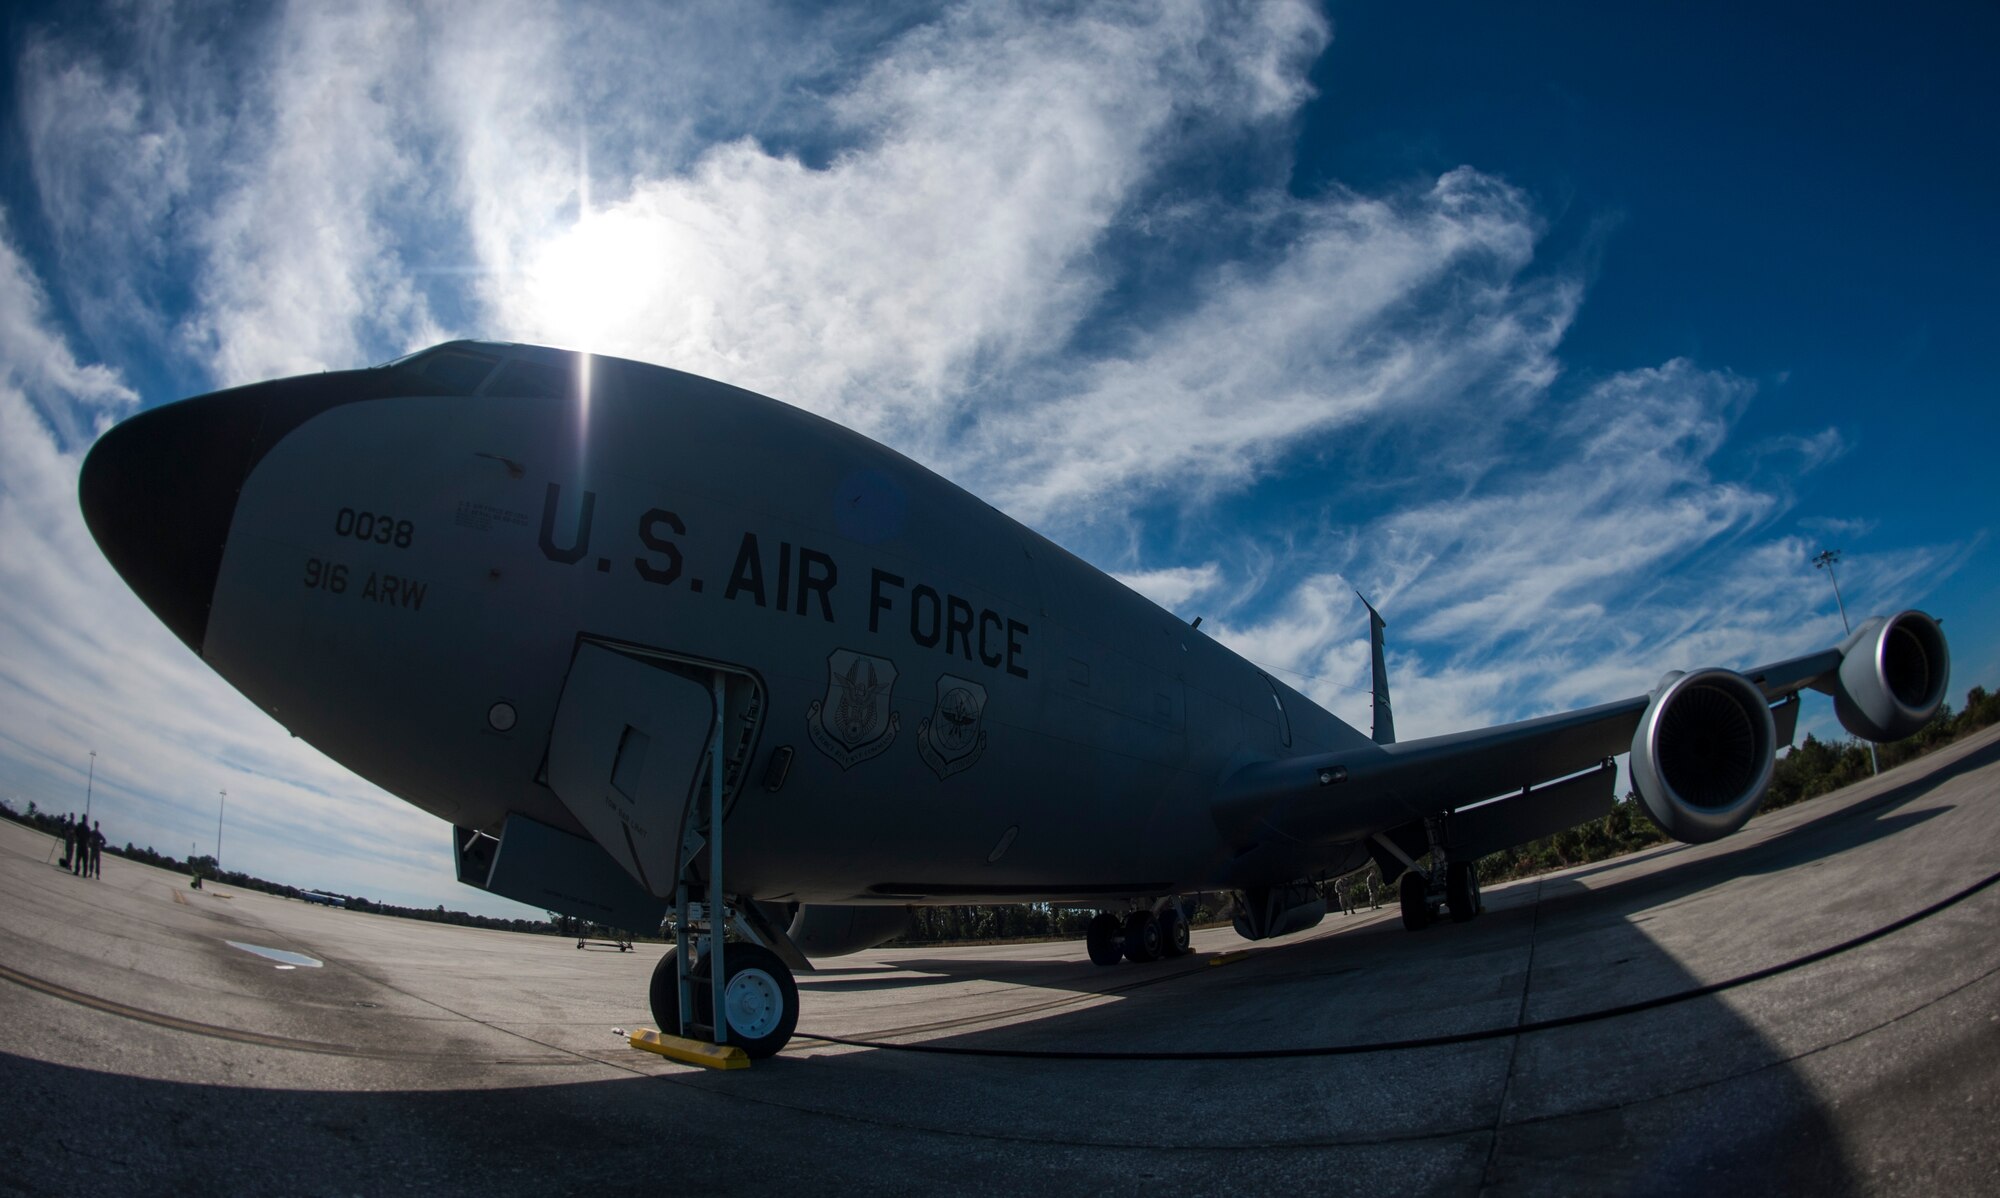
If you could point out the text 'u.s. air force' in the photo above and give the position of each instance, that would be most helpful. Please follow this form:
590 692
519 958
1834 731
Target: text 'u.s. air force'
799 580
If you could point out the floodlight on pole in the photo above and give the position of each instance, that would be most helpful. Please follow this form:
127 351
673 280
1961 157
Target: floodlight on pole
1825 561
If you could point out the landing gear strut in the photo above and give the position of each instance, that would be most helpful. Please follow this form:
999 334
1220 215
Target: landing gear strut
1449 883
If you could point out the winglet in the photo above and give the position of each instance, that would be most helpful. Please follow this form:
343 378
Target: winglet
1385 720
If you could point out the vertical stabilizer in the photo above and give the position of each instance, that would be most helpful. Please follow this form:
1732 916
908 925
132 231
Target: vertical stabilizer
1385 720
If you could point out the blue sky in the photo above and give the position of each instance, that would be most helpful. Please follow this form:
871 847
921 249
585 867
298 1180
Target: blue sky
1568 332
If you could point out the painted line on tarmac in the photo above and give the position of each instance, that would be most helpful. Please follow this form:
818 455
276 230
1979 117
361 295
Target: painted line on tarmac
262 1039
1492 1033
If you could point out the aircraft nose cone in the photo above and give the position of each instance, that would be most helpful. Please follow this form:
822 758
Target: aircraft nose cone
159 491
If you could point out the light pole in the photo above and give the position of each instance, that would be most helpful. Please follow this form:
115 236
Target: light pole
219 809
1825 561
89 785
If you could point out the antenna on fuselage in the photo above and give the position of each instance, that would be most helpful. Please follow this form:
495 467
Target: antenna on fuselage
1385 720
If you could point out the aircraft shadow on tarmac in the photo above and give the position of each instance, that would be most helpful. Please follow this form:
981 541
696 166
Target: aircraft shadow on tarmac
625 1136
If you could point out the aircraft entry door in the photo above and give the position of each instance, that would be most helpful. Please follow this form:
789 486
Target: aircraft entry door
628 747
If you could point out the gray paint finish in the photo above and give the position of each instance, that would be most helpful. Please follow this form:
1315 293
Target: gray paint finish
397 564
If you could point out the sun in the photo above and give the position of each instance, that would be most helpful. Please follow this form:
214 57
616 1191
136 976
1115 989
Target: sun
588 283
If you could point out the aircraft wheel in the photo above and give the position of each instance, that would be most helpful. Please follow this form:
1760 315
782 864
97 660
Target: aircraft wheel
1461 889
1142 937
1105 938
1416 902
665 994
1173 933
761 999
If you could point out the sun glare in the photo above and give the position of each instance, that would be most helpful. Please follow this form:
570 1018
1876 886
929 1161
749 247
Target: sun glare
590 280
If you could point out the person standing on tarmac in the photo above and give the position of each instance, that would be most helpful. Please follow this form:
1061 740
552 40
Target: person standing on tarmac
97 850
79 854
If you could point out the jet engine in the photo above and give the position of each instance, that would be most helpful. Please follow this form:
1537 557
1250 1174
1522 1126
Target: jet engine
1703 754
825 931
1892 677
1266 911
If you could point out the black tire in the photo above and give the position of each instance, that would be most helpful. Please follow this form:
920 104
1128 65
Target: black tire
1105 938
1417 912
1173 933
1461 890
1142 937
761 997
664 995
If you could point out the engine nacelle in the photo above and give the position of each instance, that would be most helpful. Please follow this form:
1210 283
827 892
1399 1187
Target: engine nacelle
1266 911
1892 677
824 931
1703 754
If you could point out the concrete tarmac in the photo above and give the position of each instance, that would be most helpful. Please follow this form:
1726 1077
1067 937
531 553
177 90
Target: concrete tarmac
1810 1006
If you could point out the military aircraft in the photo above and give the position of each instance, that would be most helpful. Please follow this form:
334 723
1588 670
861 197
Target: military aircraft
647 639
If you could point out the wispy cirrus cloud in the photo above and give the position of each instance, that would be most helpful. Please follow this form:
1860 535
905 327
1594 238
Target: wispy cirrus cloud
1838 526
1174 587
1611 550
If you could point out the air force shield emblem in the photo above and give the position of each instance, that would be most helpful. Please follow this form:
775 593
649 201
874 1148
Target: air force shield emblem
950 739
854 722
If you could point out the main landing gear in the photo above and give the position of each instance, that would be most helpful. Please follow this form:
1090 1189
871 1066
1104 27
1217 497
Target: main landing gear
1450 884
1143 935
1423 896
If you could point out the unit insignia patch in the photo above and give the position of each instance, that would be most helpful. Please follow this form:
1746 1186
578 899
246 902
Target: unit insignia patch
950 739
854 722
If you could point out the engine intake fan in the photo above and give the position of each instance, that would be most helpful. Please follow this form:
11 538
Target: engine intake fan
1703 754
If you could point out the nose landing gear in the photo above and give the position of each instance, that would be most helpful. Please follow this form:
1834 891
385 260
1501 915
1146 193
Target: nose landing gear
759 998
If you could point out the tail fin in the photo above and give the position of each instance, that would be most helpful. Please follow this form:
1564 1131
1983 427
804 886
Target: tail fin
1385 720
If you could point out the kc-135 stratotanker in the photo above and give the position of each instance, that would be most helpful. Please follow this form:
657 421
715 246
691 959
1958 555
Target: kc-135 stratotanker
653 643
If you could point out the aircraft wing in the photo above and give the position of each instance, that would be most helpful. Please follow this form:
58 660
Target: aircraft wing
1703 745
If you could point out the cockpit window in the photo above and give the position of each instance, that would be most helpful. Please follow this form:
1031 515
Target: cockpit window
446 372
520 379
